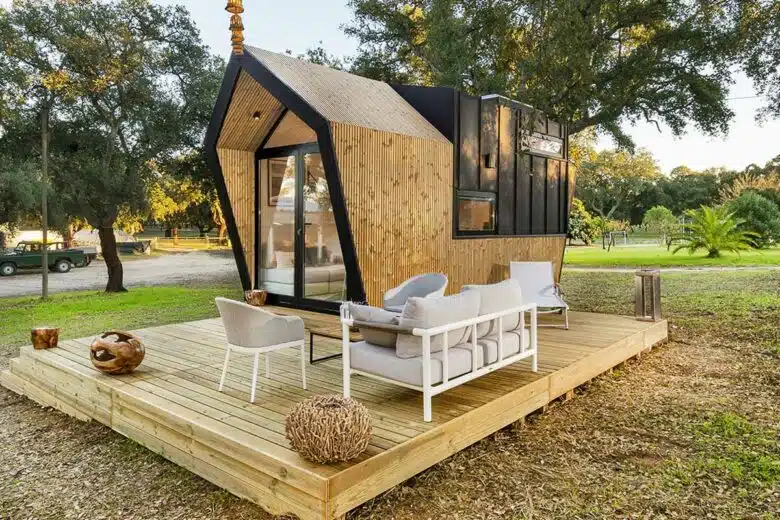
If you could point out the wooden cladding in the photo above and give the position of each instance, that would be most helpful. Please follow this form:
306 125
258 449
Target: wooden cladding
398 195
252 113
238 169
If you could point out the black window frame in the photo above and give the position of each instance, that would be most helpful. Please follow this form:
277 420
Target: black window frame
476 195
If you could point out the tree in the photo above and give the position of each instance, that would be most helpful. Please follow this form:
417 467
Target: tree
761 39
581 224
592 64
662 221
688 189
139 84
714 230
609 184
761 216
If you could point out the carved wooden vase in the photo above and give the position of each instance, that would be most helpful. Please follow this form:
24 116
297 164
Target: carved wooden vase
117 356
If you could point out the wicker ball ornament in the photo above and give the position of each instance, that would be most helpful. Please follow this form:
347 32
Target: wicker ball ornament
329 428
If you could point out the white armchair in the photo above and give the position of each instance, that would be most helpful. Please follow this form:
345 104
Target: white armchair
254 330
429 285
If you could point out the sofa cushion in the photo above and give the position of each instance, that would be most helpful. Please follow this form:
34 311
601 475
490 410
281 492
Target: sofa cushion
383 362
426 313
489 345
375 315
496 298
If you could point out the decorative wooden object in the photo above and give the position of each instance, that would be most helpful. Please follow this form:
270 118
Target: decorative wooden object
45 337
647 294
119 356
329 428
256 297
236 26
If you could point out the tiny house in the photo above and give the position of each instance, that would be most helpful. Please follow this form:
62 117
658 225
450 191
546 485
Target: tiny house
337 187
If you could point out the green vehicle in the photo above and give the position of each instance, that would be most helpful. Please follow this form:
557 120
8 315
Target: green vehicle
29 255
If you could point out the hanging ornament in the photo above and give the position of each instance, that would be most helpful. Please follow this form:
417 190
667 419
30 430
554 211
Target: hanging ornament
235 6
235 23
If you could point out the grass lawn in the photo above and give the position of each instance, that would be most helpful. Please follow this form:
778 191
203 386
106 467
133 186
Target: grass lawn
689 431
84 313
657 256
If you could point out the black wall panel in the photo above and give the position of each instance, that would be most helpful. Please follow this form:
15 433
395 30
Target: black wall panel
538 195
553 219
523 197
506 171
488 145
468 161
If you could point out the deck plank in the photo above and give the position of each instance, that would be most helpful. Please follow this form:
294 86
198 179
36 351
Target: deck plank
171 405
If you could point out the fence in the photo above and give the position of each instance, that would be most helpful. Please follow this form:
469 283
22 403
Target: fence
190 243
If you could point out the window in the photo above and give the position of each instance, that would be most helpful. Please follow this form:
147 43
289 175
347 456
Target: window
476 213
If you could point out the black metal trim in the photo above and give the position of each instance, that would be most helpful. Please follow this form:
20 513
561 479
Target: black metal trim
292 102
213 132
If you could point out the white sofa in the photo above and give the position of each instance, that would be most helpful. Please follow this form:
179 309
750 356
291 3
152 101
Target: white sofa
436 344
318 281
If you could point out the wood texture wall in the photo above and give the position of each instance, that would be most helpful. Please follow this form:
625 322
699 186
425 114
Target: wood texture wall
398 192
241 135
238 169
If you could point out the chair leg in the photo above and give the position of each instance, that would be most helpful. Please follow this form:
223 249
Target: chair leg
303 364
254 378
224 369
267 365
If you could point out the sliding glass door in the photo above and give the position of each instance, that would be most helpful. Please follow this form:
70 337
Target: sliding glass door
299 254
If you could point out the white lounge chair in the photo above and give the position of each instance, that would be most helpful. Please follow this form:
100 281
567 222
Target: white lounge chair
538 286
253 330
429 285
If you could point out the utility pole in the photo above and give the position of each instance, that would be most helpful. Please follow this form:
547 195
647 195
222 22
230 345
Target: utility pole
44 197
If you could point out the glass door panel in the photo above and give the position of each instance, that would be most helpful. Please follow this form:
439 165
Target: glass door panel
278 192
324 275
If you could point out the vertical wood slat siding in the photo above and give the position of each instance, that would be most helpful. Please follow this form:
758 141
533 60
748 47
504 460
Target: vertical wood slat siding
240 130
238 169
398 192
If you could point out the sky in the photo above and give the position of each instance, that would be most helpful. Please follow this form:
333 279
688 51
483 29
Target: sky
296 25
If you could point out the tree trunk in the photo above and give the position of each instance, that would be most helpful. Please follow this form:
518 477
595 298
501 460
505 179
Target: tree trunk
111 256
69 235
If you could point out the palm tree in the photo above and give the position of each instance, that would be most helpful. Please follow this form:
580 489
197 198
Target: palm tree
716 230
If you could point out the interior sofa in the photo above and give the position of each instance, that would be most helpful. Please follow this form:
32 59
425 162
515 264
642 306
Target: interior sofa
436 344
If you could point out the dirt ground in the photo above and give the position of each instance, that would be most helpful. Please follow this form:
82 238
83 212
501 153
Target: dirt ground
689 431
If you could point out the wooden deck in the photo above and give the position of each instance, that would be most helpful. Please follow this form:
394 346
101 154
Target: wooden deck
171 406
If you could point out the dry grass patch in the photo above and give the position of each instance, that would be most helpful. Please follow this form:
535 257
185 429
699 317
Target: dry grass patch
690 431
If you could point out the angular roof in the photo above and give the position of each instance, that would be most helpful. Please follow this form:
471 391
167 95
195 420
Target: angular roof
342 97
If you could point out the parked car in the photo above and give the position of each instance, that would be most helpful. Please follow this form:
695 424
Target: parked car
29 255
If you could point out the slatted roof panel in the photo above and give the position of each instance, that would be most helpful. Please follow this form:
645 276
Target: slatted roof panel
342 97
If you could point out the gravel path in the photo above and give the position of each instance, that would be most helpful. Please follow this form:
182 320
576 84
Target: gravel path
170 269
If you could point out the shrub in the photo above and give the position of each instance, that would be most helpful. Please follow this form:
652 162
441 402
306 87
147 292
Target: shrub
715 230
582 225
761 216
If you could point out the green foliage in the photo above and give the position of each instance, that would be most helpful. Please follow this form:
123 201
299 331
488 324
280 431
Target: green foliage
611 182
135 88
714 230
760 20
590 63
19 191
761 215
661 220
581 224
